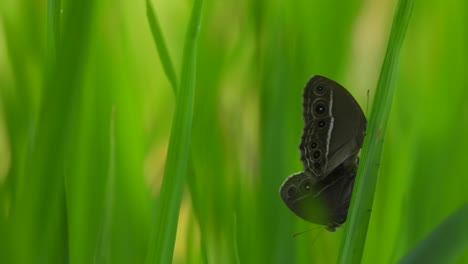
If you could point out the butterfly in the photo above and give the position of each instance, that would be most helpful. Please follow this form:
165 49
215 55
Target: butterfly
334 130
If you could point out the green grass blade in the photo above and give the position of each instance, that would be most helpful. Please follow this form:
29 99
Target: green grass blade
445 243
39 221
170 74
103 246
163 239
53 32
353 243
158 38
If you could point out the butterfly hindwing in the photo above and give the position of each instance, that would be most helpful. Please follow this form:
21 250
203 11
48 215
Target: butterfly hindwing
301 194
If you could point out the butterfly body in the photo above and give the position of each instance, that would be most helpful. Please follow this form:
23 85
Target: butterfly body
334 129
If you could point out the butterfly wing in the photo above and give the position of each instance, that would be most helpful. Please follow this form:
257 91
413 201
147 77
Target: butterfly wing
301 194
323 202
318 123
336 192
349 127
314 149
334 126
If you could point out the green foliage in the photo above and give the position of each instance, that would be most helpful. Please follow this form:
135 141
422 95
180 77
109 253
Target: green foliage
452 231
162 247
88 111
363 194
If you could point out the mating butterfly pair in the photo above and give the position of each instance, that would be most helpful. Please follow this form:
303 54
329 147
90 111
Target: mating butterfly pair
334 129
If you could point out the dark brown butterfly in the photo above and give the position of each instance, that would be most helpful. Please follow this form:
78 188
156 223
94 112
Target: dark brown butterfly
334 129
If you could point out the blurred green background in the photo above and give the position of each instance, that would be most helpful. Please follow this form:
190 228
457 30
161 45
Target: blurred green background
85 122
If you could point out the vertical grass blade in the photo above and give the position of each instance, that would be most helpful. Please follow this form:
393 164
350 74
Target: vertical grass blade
445 243
353 243
53 32
171 76
163 239
103 246
161 46
39 222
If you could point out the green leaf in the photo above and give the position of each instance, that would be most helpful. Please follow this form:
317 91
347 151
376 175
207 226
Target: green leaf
445 243
163 239
161 46
353 243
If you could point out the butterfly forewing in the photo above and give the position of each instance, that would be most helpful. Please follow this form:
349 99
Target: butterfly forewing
316 100
333 120
348 128
313 148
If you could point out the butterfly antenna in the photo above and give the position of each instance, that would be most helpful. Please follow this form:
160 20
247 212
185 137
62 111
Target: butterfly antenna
302 232
315 238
